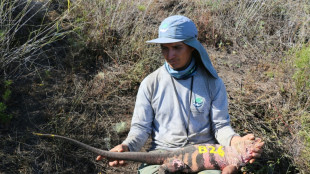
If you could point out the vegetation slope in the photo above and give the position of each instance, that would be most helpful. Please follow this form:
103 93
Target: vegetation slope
74 67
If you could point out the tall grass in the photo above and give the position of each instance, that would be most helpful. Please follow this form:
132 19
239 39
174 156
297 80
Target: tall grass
27 37
261 27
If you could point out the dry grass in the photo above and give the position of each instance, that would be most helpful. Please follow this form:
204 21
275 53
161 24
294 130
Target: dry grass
30 38
91 90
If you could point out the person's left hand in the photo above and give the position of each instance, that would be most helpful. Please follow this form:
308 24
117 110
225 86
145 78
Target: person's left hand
229 169
257 151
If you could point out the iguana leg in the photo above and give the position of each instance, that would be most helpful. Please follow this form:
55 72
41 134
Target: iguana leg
162 169
174 165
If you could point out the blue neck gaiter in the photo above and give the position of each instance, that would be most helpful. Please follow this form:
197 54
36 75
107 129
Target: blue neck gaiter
183 74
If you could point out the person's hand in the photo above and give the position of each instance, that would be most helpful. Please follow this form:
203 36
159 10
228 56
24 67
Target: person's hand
257 151
113 162
229 169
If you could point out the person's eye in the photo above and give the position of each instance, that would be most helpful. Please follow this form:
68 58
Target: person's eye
178 47
164 48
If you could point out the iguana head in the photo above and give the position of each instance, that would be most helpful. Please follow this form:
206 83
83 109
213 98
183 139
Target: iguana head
246 148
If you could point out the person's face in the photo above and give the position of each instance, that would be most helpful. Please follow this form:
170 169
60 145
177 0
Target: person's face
178 55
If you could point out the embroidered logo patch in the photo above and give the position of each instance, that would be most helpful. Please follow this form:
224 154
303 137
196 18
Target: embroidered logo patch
198 102
164 28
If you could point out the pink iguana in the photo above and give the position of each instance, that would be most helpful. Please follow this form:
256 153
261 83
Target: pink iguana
192 158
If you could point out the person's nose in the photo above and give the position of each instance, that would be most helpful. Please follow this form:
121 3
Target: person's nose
171 53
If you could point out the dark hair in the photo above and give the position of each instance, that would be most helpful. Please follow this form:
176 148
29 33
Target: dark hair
196 55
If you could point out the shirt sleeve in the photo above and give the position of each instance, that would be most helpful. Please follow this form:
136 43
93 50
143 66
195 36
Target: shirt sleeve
141 124
219 115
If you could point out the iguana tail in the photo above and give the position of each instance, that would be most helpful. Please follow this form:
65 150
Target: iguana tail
144 157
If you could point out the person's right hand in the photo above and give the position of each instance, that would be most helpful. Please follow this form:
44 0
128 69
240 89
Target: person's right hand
113 162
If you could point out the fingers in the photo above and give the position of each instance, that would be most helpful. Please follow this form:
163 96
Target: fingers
120 148
229 170
252 161
122 162
257 151
113 162
99 157
260 144
256 155
117 163
249 137
258 141
117 148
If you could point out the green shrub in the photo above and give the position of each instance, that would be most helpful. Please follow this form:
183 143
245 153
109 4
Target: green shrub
305 136
120 127
7 91
302 72
4 117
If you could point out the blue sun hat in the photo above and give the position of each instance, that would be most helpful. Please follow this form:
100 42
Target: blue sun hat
181 29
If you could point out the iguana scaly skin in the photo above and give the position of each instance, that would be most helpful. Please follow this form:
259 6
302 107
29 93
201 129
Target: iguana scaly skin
192 158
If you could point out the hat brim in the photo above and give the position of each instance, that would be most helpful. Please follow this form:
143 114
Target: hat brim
164 40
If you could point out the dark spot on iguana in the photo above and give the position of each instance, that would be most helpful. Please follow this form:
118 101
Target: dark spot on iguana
200 164
213 161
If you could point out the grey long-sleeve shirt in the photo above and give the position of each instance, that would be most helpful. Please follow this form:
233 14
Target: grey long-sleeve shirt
158 112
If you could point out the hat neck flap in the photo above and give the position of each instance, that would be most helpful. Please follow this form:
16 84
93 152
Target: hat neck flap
193 42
